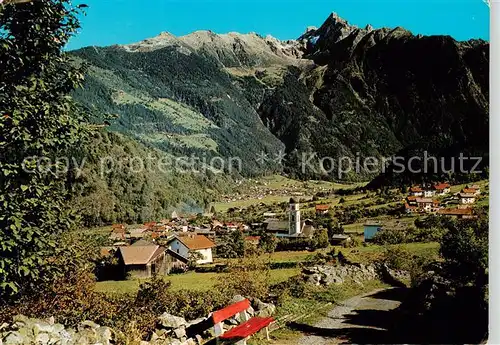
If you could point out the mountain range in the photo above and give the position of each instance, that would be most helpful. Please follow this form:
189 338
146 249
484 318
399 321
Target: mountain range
336 91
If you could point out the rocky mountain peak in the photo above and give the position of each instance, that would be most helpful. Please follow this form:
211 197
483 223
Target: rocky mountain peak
335 28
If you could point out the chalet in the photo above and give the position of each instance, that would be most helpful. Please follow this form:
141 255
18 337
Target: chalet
231 227
472 191
118 232
416 191
410 208
477 188
118 227
322 210
425 204
467 198
216 225
460 213
186 244
442 189
253 240
150 225
411 200
137 233
142 261
429 193
371 229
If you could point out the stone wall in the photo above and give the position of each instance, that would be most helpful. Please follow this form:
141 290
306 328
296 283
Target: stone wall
338 274
170 329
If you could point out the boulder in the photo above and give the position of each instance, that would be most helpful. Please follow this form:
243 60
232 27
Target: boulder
88 325
170 321
263 309
180 332
42 338
42 327
15 338
314 279
104 335
239 298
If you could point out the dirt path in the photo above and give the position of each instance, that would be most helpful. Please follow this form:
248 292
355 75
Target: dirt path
362 319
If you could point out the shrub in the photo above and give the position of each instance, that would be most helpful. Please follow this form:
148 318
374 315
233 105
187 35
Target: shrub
390 236
249 277
320 239
397 258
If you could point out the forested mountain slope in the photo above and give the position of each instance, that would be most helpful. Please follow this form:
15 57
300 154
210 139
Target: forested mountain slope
336 91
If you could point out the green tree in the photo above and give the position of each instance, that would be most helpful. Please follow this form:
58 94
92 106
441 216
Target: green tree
268 242
232 246
37 120
465 250
320 239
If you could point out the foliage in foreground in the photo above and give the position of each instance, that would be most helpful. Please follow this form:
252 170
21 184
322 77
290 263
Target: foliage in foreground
38 126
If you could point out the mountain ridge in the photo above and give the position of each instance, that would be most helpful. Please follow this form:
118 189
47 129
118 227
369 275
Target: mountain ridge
338 90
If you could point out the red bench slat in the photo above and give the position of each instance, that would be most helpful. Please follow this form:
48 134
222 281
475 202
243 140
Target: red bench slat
233 309
248 328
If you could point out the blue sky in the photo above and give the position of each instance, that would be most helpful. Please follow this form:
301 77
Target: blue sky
125 21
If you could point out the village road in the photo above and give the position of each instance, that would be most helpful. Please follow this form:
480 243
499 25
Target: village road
363 319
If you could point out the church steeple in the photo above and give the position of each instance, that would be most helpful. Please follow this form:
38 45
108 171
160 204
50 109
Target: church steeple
294 220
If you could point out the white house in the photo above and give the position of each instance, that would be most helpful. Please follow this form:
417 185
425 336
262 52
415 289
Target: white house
425 204
466 199
185 244
428 193
442 189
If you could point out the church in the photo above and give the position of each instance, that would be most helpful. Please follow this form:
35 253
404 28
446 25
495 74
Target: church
294 227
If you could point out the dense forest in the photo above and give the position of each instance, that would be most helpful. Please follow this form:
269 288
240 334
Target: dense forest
124 181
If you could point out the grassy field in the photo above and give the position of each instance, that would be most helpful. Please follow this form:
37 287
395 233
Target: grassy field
205 281
275 183
190 281
371 253
358 227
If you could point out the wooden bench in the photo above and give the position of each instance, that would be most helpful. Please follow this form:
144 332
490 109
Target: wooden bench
247 328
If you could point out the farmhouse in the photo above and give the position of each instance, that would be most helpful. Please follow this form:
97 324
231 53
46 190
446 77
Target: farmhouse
190 243
429 193
118 232
442 189
425 204
416 191
460 213
410 208
477 188
142 260
277 227
473 191
322 210
467 198
253 240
